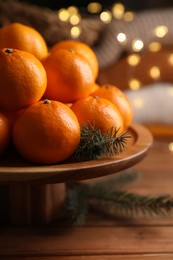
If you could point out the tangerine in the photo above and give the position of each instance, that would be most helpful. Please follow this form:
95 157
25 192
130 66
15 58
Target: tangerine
5 133
95 86
99 112
46 132
69 76
22 79
23 37
81 48
119 99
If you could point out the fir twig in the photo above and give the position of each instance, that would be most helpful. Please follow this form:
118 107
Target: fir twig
94 144
77 203
108 198
124 203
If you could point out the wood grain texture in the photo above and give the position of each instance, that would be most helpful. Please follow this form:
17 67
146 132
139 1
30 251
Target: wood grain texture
87 241
15 170
104 238
102 257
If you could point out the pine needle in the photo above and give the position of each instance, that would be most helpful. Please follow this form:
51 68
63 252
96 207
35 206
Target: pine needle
77 203
94 144
108 198
130 204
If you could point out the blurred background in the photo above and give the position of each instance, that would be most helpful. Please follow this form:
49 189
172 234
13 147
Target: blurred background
133 41
132 4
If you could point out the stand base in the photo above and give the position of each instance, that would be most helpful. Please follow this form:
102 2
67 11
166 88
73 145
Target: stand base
25 204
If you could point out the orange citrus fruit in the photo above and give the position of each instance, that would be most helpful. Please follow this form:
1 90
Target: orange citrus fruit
23 37
12 115
22 79
99 112
119 99
5 133
81 48
95 87
46 132
69 76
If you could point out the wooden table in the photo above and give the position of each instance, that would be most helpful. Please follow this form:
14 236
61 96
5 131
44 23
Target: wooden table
103 238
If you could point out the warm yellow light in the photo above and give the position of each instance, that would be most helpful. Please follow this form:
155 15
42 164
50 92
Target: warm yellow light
94 7
75 32
170 147
121 37
128 16
137 45
106 17
134 84
75 19
118 10
170 59
72 10
133 59
154 72
170 91
63 14
138 102
160 31
155 46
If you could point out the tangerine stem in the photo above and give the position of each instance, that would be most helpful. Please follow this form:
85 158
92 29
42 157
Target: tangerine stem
46 101
8 50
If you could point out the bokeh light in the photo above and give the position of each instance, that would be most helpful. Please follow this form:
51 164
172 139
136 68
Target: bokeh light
134 84
75 32
137 45
94 7
118 10
133 59
121 38
160 31
154 46
154 72
106 16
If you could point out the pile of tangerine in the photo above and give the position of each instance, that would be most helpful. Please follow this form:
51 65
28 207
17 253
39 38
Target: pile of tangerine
47 95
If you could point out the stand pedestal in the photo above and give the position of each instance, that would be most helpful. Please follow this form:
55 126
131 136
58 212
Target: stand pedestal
24 199
26 204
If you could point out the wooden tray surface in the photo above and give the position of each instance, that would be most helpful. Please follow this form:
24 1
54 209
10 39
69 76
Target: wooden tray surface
13 169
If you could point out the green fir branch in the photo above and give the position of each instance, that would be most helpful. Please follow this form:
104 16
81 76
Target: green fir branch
77 203
130 204
95 144
108 198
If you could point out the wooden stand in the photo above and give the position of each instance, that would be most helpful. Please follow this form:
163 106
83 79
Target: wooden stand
36 194
28 204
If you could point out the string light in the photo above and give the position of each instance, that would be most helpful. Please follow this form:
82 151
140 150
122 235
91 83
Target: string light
128 16
154 72
170 59
94 7
133 59
138 102
118 10
72 10
63 15
121 38
160 31
75 32
170 147
170 91
75 19
106 16
134 84
137 45
154 46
